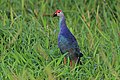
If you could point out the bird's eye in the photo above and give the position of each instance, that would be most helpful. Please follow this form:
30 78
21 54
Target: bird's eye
58 12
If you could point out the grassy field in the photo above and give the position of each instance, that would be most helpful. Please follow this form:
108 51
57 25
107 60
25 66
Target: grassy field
28 39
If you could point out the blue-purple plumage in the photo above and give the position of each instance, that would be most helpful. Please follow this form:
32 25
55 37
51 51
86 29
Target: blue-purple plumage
67 42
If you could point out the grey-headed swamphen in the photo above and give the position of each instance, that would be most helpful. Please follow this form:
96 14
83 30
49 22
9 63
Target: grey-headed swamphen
66 41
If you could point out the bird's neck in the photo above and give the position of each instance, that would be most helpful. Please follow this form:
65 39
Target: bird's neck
62 22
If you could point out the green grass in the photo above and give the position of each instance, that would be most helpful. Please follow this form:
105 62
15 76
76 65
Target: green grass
28 39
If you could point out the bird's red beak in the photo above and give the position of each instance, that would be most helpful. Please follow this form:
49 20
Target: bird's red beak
55 14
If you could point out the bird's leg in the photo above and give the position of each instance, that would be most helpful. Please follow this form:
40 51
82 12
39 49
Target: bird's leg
65 60
70 63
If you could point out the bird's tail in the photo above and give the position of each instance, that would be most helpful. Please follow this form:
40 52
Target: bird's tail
80 55
78 60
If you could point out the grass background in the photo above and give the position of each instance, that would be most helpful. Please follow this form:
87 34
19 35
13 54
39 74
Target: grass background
28 39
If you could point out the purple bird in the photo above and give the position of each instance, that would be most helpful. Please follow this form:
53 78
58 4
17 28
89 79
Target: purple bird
66 41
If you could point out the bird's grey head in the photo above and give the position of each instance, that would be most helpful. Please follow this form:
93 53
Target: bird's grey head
58 13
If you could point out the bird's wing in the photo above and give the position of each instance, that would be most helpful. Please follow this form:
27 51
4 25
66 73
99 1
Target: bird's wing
67 42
